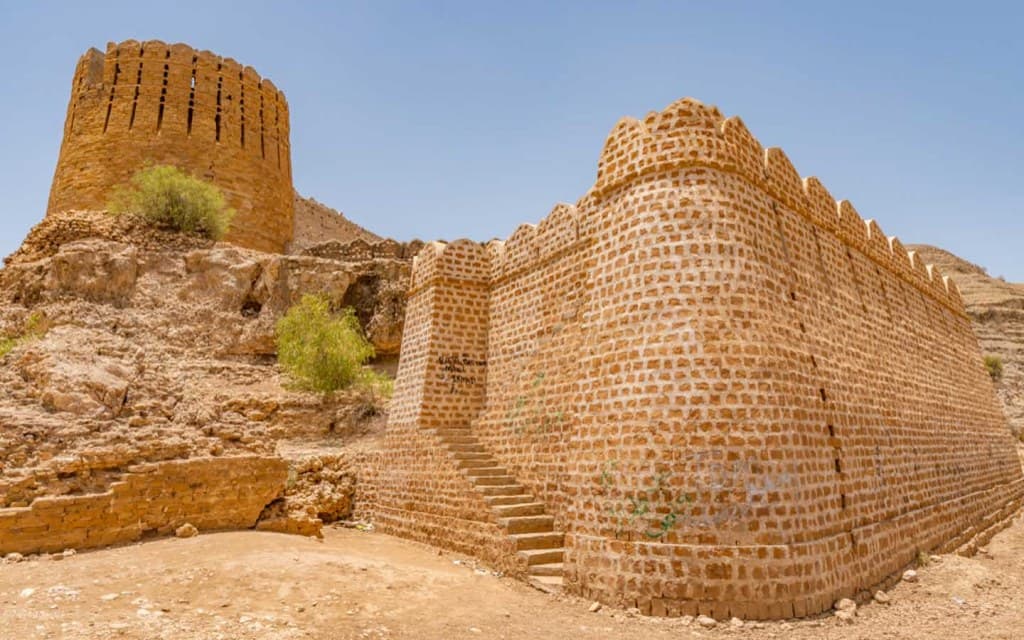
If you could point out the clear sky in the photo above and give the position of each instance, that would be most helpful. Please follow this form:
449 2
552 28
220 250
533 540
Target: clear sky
452 119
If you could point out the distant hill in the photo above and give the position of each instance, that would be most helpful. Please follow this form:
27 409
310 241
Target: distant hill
316 223
996 308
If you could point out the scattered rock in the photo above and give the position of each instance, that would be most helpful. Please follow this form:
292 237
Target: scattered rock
882 597
846 605
110 596
595 607
909 576
68 553
632 612
13 557
186 530
846 616
686 620
27 593
736 623
706 621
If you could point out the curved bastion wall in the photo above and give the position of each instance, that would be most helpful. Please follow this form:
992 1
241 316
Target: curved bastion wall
734 394
151 102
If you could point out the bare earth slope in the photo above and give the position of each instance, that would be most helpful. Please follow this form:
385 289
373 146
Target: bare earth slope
996 308
156 347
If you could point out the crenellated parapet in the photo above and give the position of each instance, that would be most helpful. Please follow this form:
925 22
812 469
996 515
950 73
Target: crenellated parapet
153 102
691 134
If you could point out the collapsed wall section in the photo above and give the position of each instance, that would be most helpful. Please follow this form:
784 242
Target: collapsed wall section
735 395
150 102
150 499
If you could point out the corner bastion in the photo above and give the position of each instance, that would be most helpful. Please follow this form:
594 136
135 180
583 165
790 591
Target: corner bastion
732 394
151 102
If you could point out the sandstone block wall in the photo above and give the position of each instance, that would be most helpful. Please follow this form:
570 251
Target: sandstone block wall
169 104
420 494
736 396
151 499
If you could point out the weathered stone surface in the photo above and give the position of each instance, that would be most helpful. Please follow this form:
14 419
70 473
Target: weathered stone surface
152 102
142 358
316 224
187 530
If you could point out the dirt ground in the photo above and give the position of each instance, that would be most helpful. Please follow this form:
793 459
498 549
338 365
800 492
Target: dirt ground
356 584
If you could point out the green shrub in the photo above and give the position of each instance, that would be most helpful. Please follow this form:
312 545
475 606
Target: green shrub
994 364
167 197
33 327
322 351
6 345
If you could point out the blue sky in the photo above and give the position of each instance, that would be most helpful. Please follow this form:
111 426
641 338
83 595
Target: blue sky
452 119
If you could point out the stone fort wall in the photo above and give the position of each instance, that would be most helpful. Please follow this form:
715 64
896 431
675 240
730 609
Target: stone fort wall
152 102
735 395
150 499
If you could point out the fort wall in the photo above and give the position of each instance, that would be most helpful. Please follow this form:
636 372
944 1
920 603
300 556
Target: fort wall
735 395
150 102
150 499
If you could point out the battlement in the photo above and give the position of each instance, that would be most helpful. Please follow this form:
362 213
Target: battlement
690 134
153 102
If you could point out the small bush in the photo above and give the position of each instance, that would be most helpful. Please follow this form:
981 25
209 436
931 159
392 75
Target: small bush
994 364
325 352
6 345
167 197
33 327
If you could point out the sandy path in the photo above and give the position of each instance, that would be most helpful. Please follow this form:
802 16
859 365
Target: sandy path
367 585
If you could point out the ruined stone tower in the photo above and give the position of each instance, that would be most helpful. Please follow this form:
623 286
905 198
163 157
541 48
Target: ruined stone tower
706 387
150 102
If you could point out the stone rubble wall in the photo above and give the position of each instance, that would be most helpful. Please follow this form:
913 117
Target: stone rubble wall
150 499
736 396
150 102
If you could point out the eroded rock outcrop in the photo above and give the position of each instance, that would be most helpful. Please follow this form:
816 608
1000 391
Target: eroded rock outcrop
156 348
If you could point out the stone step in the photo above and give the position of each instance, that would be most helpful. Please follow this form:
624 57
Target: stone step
547 584
476 463
493 480
554 569
542 556
466 448
545 540
521 509
466 439
471 455
453 431
498 501
501 490
528 524
479 472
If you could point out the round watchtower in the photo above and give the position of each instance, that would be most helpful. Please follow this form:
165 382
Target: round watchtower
151 102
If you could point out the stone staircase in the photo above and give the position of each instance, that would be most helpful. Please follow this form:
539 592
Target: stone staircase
518 512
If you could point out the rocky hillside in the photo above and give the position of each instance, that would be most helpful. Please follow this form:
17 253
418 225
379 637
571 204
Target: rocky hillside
315 223
996 308
127 345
